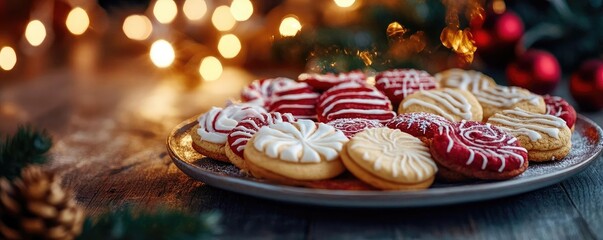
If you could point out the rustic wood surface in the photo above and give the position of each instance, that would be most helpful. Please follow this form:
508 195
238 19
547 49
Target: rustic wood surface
110 129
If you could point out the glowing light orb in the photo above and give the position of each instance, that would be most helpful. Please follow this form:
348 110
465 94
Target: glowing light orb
162 53
35 33
344 3
165 11
137 27
223 19
210 68
290 26
77 21
194 9
241 9
229 46
8 58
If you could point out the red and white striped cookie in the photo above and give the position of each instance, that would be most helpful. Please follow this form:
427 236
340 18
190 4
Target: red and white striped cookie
558 107
354 100
325 81
351 126
296 98
260 92
238 137
396 84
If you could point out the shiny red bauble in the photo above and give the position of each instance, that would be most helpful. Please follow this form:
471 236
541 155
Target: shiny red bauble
497 37
535 70
586 85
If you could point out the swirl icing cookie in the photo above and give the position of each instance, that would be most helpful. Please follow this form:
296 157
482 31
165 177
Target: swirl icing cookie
558 107
296 98
389 159
452 104
209 136
298 151
420 124
260 92
546 137
479 150
469 80
354 100
325 81
396 84
240 135
351 126
498 98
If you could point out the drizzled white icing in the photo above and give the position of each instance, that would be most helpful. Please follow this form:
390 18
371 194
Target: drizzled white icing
261 92
400 154
423 122
303 141
215 125
453 101
520 122
554 106
247 127
502 96
296 98
357 99
333 78
491 142
405 81
469 80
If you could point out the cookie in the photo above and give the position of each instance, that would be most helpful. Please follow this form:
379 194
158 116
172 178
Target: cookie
323 82
351 126
546 137
210 134
498 98
479 150
469 80
452 104
419 124
354 100
396 84
298 151
389 159
558 107
296 98
240 135
260 92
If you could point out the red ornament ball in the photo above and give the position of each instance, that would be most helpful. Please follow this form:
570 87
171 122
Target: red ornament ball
535 70
586 85
497 38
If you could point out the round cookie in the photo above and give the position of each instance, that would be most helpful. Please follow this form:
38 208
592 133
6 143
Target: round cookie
389 159
245 129
498 98
396 84
292 152
296 98
479 150
260 92
323 82
351 126
546 137
419 124
354 100
210 134
558 107
452 104
469 80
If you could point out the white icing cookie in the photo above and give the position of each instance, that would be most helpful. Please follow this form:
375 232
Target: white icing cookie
452 104
468 80
215 125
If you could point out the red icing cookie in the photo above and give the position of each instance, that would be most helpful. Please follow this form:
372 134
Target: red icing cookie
420 124
261 92
396 84
325 81
558 107
296 98
245 129
479 150
354 100
351 126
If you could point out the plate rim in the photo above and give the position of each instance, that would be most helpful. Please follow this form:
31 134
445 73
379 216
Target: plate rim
357 198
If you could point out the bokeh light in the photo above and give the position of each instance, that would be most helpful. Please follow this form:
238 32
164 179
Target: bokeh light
223 19
77 21
162 53
229 46
165 11
290 26
35 33
194 9
137 27
241 9
344 3
210 68
8 58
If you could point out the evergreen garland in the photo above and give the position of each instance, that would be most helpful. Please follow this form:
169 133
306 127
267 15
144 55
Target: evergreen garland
27 146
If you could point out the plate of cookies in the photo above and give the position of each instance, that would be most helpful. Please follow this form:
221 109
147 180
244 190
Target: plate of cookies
402 138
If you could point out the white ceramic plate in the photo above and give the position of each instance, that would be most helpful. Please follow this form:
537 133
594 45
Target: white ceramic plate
587 141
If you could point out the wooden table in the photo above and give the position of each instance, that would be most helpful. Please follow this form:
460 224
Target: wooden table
110 127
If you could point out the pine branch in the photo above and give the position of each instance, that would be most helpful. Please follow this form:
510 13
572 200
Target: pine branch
27 146
158 224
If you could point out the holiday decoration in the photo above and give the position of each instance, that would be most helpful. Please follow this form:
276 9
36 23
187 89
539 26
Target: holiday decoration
26 146
535 70
586 85
497 37
36 207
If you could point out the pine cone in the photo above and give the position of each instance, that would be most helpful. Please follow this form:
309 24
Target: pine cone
36 207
